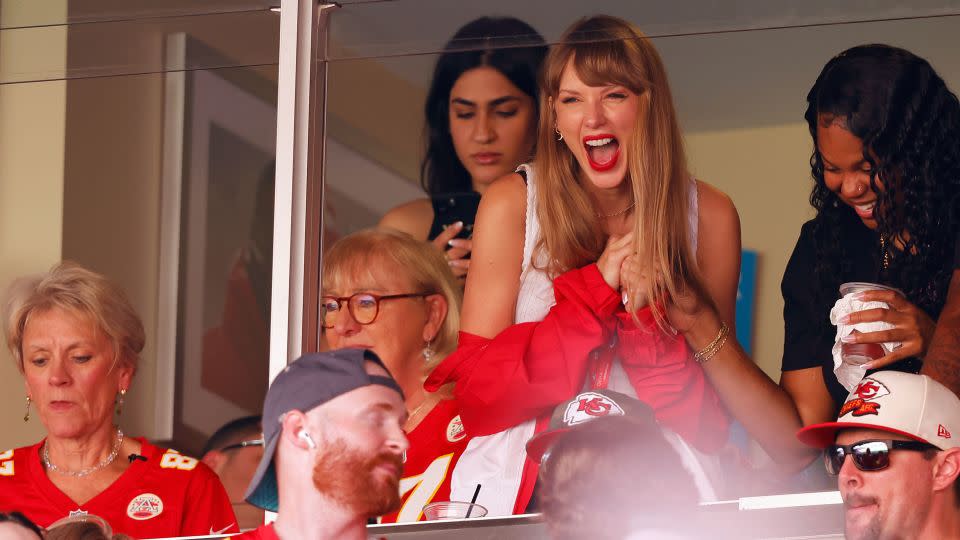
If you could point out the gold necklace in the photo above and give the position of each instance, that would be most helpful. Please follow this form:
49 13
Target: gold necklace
620 213
416 410
413 414
886 255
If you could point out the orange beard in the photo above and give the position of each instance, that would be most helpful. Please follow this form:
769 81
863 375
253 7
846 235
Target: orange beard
349 478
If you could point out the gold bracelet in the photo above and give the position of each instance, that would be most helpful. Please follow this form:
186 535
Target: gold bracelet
708 352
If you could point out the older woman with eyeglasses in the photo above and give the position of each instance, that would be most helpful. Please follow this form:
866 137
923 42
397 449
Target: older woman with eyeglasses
387 292
76 339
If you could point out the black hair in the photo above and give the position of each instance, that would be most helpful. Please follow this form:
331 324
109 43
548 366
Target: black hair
909 123
506 44
233 432
22 520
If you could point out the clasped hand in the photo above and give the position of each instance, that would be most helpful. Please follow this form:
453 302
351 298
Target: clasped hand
622 270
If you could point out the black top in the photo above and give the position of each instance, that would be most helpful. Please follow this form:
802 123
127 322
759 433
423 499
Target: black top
808 334
956 254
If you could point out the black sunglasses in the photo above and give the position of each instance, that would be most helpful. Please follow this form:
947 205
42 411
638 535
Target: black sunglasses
242 444
869 455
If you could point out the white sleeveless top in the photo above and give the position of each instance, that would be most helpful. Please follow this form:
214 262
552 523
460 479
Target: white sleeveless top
496 461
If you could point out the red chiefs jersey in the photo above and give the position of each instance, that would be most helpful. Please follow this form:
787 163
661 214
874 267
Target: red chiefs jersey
263 532
436 445
168 494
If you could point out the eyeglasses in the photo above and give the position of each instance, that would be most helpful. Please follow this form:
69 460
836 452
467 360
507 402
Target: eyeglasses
364 307
242 444
872 455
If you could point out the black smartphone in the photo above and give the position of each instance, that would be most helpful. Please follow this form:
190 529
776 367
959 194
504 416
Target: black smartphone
454 207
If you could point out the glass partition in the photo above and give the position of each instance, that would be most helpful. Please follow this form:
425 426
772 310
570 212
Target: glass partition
739 76
18 14
739 95
138 140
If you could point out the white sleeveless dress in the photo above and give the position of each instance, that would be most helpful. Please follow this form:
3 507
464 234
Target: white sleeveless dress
497 461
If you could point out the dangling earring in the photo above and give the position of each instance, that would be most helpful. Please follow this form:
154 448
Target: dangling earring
26 416
559 135
123 392
428 352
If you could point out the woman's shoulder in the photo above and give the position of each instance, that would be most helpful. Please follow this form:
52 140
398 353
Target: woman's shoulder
14 461
414 218
713 202
717 215
506 193
169 460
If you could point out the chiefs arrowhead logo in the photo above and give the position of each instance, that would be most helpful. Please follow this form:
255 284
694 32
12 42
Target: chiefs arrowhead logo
589 405
145 506
870 389
867 391
943 432
455 431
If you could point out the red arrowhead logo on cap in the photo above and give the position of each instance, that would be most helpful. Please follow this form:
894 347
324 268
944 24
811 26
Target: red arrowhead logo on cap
589 405
942 432
870 389
867 391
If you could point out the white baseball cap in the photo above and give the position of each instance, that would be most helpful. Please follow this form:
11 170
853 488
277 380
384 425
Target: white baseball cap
914 406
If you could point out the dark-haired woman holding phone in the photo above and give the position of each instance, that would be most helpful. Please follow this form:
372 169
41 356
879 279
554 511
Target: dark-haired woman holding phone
481 119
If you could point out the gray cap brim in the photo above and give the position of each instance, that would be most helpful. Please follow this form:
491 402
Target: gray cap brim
262 491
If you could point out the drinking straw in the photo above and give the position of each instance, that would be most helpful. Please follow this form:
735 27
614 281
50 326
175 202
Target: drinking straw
473 501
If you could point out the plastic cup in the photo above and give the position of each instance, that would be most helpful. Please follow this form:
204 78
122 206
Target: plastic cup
860 286
861 353
452 510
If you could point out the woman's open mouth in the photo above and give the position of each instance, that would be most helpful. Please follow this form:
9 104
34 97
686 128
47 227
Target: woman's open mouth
865 211
603 151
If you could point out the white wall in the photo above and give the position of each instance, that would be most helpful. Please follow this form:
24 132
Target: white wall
32 127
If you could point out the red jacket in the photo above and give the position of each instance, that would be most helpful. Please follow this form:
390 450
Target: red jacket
530 368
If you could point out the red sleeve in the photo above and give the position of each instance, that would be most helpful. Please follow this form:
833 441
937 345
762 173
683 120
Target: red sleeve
666 377
529 368
207 508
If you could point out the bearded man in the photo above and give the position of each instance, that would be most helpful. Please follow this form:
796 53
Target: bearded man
334 446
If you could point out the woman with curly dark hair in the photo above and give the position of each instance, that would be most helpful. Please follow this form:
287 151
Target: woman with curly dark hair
886 166
886 170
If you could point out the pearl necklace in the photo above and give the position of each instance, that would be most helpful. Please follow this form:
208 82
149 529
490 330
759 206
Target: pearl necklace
88 471
620 213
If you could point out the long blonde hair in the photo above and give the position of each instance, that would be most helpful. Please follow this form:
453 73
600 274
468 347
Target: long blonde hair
605 50
398 252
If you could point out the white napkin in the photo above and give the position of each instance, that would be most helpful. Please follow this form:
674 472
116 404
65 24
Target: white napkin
847 373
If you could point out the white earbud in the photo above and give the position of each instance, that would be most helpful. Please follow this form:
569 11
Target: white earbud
305 437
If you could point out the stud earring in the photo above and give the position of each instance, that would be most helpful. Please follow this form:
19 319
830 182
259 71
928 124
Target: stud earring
123 392
428 352
559 135
26 416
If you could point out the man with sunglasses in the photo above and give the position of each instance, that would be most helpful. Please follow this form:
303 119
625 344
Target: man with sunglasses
901 433
233 452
